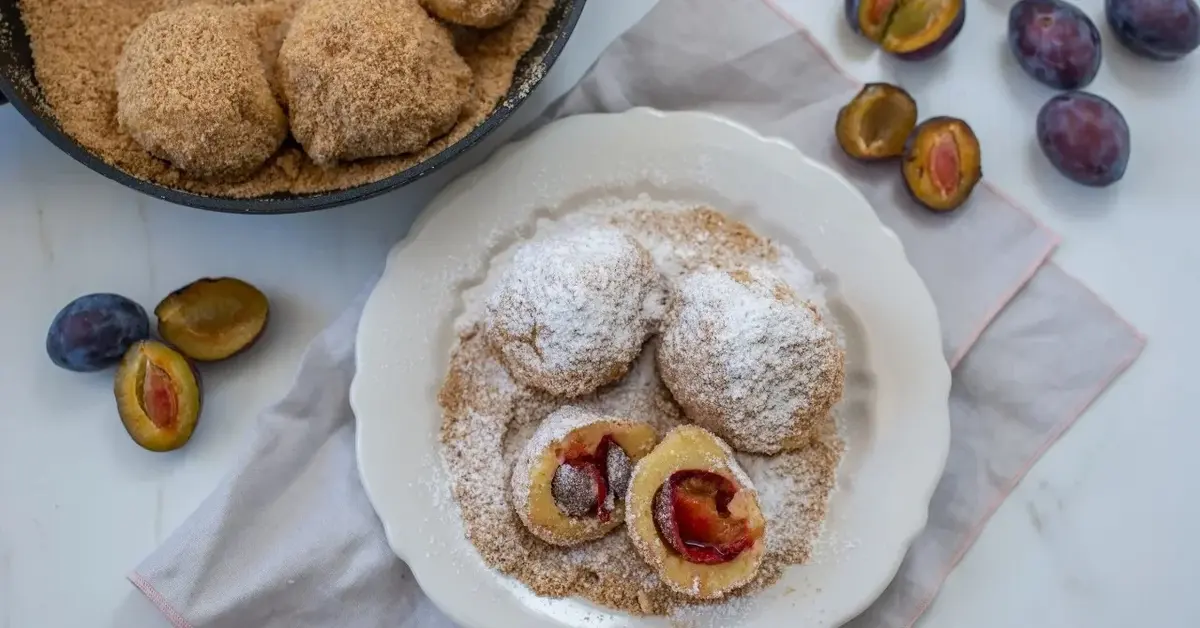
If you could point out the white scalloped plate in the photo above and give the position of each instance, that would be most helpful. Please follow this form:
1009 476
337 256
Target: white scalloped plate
896 450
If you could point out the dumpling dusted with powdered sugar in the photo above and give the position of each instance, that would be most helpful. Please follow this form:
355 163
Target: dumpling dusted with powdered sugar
573 311
749 360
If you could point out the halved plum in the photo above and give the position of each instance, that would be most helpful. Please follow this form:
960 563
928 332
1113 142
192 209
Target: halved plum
213 319
158 396
697 516
876 123
909 29
942 163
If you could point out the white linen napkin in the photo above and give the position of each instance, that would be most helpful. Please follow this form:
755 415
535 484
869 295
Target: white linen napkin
288 539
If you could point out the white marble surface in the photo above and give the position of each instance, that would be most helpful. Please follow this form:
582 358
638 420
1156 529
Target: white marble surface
1101 534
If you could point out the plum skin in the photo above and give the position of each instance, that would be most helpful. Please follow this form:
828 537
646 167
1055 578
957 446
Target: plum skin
1162 30
1085 137
1055 42
851 7
94 331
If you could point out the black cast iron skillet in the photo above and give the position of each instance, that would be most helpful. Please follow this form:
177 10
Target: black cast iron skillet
20 88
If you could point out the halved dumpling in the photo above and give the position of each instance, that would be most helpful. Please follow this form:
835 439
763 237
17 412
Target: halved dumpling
694 516
570 480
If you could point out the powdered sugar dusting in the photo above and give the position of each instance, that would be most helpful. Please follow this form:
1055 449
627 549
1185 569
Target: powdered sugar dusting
489 418
749 360
572 312
575 490
619 469
792 488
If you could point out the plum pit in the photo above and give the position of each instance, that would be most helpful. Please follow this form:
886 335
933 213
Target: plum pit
588 483
159 400
158 396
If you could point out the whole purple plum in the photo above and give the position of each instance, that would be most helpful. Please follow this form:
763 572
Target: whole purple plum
93 332
1054 42
1085 137
1164 30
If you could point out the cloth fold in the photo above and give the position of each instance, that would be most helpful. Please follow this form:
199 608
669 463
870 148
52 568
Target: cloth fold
288 539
